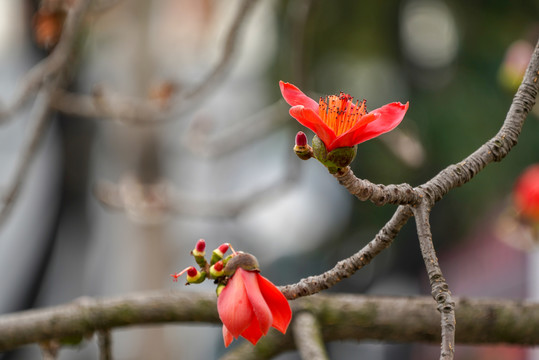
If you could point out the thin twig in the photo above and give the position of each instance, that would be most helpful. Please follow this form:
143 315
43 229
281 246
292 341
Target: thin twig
347 267
146 112
440 289
199 140
308 337
52 64
229 50
49 349
104 341
40 110
42 119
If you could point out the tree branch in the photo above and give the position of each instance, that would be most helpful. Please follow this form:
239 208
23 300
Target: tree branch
440 289
52 64
308 337
402 194
52 73
143 111
354 317
347 267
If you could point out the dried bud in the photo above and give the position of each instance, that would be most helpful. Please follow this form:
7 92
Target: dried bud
48 27
241 260
336 159
162 93
302 149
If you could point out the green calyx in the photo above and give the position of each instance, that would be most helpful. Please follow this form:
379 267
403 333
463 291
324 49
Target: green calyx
241 260
197 279
333 160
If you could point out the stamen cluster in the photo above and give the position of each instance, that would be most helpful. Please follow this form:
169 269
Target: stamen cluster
340 113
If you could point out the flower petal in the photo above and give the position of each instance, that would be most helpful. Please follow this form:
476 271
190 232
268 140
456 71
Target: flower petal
280 309
295 96
253 332
234 306
260 308
227 336
388 117
311 120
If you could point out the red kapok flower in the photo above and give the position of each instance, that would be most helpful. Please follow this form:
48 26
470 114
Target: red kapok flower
249 305
337 121
526 193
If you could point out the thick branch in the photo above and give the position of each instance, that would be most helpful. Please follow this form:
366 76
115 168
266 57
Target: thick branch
308 337
402 194
398 319
440 289
347 267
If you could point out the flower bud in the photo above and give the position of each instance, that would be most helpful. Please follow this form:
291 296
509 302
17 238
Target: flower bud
301 139
335 159
218 253
302 149
199 252
217 269
194 276
219 289
241 260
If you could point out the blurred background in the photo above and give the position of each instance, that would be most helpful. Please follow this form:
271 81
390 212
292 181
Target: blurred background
109 208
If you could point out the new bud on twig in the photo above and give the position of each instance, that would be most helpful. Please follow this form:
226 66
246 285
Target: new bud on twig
218 253
217 269
194 276
199 253
302 149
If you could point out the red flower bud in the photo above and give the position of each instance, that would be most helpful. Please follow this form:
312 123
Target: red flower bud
201 245
224 248
218 253
301 139
191 271
218 265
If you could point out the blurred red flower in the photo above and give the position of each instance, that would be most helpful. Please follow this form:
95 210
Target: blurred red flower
337 121
526 193
249 305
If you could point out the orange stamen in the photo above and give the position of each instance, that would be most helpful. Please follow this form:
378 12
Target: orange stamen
339 113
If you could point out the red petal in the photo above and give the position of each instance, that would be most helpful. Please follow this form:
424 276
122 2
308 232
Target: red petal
253 332
280 309
311 120
295 96
258 304
227 336
388 117
234 307
350 138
